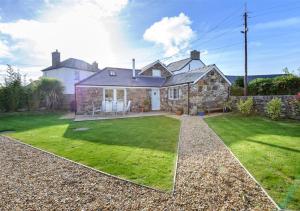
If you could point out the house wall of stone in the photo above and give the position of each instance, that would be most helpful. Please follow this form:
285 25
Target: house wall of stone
210 92
137 97
290 104
164 72
85 97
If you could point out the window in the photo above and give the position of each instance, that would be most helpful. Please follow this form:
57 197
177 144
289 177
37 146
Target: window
77 76
156 73
112 73
174 93
109 94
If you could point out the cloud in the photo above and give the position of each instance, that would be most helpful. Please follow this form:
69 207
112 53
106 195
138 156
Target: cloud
85 29
173 33
4 50
295 21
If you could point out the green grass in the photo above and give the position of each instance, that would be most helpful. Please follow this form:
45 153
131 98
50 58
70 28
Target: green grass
270 150
139 149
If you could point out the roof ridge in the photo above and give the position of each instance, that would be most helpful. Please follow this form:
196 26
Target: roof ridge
179 61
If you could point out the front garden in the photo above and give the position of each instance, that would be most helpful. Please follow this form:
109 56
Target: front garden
269 149
139 149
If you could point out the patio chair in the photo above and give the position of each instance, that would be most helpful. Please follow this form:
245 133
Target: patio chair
95 109
127 108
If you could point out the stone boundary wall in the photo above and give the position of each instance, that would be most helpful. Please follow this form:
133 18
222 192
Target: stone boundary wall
290 104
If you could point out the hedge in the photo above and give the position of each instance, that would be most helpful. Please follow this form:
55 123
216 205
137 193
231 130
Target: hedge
282 85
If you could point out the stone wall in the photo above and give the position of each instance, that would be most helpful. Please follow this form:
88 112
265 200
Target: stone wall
290 104
210 92
137 97
85 96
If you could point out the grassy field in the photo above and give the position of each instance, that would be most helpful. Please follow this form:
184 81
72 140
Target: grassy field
139 149
270 150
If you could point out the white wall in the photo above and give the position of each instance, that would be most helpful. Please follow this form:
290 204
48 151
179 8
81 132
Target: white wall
67 77
194 64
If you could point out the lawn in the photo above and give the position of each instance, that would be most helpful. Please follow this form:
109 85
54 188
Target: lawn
139 149
270 150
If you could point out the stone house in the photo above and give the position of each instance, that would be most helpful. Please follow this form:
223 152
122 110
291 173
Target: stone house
187 85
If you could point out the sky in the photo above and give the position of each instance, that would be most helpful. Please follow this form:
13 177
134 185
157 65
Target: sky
113 32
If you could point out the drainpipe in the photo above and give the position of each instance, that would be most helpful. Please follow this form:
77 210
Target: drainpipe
75 100
188 99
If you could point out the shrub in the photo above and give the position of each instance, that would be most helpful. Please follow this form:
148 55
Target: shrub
239 82
51 92
261 86
274 108
32 96
245 107
236 91
286 85
282 85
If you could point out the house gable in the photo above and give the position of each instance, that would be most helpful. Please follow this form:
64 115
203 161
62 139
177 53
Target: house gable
211 71
148 70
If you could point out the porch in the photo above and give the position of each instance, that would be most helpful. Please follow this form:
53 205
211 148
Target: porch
112 102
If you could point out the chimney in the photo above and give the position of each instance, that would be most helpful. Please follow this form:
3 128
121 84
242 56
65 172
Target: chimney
195 55
133 68
95 66
55 58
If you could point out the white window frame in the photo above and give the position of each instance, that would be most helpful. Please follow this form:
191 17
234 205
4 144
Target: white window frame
173 91
156 72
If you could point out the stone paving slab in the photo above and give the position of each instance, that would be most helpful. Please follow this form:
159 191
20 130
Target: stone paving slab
208 178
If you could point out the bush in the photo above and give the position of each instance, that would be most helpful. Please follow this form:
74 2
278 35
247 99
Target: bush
274 108
261 86
286 85
51 92
236 91
283 85
32 96
245 107
239 82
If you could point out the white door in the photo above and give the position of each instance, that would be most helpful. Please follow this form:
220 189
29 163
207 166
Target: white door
155 99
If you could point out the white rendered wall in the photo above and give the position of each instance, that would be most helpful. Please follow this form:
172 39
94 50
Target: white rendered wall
67 77
194 64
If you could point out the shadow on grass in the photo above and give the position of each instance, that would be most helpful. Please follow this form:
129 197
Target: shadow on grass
274 145
157 133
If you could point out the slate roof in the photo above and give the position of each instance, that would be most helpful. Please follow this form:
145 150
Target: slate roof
75 64
174 66
188 77
232 78
123 77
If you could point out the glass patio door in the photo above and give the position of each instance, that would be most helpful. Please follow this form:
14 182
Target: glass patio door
114 100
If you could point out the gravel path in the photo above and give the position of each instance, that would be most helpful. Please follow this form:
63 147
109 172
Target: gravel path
208 177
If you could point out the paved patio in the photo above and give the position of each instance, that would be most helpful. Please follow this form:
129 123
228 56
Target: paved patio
208 178
118 116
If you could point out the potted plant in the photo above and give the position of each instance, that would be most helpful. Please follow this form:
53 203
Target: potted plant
179 111
146 104
227 106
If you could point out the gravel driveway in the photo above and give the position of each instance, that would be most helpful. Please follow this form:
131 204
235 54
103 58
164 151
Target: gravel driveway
208 177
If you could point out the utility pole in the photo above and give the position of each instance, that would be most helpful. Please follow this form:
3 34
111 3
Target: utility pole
246 50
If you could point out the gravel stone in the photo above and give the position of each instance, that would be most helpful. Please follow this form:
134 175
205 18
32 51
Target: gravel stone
208 178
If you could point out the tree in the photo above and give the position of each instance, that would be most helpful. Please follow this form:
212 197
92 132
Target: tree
51 92
12 92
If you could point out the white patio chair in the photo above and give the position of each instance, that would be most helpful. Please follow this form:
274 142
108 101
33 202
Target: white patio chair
95 109
127 108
